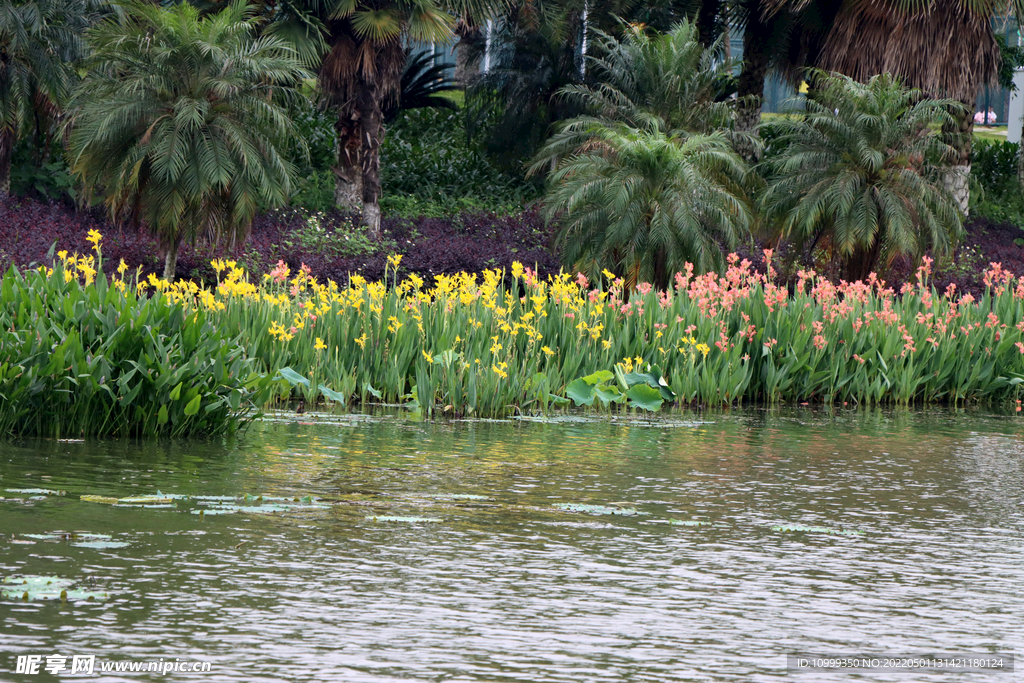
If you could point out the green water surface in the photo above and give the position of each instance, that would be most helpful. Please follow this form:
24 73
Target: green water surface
376 549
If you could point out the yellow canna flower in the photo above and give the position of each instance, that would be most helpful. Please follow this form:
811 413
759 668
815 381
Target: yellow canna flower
361 341
547 351
319 345
122 267
94 236
427 356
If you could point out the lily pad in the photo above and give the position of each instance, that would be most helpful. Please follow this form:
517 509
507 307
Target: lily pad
214 511
100 545
455 496
26 588
411 520
146 500
800 528
97 499
596 509
37 492
688 522
68 536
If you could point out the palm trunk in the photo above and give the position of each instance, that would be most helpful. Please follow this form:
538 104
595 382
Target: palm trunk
863 261
957 178
348 174
171 261
750 86
6 149
370 102
464 68
708 27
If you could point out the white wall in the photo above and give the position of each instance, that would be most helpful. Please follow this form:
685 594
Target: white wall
1015 118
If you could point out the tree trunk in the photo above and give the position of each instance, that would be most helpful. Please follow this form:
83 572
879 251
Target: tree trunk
957 178
6 149
348 174
171 261
750 86
464 68
708 25
370 100
1020 163
864 260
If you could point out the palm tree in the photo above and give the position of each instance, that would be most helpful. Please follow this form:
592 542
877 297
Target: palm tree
668 79
946 48
860 174
644 202
180 123
40 42
784 36
362 72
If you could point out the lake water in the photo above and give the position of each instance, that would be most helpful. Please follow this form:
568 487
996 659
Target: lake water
551 554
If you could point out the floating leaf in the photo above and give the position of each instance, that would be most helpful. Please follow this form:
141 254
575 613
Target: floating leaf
100 545
596 509
455 496
145 500
688 522
816 530
68 536
98 499
411 520
37 492
44 588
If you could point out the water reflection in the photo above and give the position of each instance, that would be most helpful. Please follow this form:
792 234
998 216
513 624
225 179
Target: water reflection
510 588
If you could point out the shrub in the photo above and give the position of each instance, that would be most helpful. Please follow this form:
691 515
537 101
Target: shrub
427 156
996 194
81 356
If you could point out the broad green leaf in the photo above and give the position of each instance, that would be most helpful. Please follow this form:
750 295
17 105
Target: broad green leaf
644 396
580 392
293 377
193 406
332 395
599 377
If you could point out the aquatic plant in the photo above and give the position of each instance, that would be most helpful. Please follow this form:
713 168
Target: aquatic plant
513 342
81 354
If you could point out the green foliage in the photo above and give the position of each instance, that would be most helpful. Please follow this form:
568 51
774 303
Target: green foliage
668 81
45 178
40 42
996 191
429 167
181 120
344 238
102 360
645 203
860 174
647 391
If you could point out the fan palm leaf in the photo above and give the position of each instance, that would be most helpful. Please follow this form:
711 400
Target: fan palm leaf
180 122
860 173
